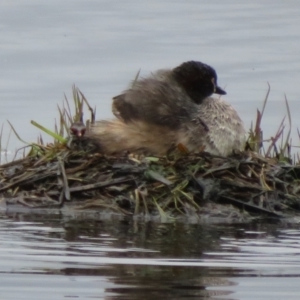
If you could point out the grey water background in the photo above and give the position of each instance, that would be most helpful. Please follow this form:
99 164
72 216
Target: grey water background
46 46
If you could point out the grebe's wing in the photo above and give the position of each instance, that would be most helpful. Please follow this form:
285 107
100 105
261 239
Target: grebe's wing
155 102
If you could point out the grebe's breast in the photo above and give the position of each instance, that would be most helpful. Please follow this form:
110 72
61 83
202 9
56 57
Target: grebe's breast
216 127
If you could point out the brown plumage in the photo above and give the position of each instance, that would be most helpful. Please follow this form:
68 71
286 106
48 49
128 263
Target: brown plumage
116 137
169 108
167 97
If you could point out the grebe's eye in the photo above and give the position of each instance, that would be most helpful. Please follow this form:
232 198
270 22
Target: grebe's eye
83 131
73 130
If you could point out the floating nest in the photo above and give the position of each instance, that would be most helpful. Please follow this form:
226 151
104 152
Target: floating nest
165 186
71 173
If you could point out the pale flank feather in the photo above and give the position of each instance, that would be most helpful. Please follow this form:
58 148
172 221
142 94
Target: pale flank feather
115 137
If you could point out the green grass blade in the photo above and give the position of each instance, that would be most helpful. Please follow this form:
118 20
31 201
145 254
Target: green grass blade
49 132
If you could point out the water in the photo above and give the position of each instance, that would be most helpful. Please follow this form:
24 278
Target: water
46 46
59 257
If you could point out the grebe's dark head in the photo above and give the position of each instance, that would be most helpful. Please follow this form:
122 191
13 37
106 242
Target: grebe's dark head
198 79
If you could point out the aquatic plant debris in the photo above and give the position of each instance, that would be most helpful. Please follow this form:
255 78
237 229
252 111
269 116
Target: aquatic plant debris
70 172
132 185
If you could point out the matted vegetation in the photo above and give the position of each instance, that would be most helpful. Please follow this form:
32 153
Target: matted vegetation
260 182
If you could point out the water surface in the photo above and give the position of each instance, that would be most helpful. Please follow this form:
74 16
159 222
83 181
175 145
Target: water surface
55 257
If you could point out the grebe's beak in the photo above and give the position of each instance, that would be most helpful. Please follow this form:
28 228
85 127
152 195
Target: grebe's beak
219 91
